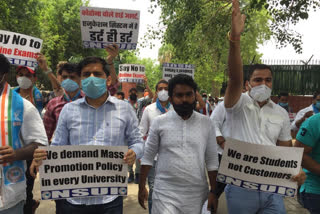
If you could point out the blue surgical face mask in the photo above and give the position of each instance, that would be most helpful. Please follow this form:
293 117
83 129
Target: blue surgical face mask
318 104
283 104
94 87
69 85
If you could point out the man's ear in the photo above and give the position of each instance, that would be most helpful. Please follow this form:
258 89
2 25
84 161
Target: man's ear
247 85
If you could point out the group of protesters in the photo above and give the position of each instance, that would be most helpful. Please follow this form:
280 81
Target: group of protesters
175 136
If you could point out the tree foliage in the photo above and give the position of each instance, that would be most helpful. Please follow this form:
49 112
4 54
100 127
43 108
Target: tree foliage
286 13
57 22
197 32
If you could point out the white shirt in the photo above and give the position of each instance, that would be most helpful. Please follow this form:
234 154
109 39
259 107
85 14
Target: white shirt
186 149
299 115
219 118
250 123
149 114
32 130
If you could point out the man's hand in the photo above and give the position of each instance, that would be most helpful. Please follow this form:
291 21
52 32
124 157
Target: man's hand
34 168
42 62
221 141
308 114
300 178
38 156
212 203
238 20
7 154
113 51
130 157
143 196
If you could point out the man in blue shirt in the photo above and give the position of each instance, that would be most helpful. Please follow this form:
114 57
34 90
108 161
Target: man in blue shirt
309 138
96 119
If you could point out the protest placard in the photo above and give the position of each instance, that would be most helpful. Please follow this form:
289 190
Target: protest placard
83 171
20 49
101 27
260 167
131 73
170 70
292 116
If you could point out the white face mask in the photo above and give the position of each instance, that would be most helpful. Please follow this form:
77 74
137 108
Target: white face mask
163 95
24 82
260 93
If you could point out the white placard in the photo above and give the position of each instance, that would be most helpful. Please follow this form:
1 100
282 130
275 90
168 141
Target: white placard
101 27
131 73
260 167
20 49
83 171
170 70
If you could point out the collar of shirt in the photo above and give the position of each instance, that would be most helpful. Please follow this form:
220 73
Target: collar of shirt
110 99
80 96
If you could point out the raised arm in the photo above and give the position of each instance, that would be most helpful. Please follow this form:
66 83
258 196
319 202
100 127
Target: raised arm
145 79
42 62
235 83
113 51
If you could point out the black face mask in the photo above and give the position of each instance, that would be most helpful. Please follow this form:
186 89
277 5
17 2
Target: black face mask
133 97
185 109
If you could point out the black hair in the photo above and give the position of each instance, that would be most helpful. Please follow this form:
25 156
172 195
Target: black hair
4 64
181 79
92 60
69 68
120 93
161 81
254 67
315 94
133 89
283 94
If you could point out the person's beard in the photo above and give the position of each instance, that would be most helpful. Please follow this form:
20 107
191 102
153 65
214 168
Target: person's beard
185 109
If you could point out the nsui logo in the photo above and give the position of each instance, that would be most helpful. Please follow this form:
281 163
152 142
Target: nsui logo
122 191
46 195
221 178
256 186
290 192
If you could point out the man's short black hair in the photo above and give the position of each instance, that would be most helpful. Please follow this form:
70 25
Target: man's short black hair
120 93
161 81
181 79
315 94
92 60
254 67
69 68
283 94
4 64
133 89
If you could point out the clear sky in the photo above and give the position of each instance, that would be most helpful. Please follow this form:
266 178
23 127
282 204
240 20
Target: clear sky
309 29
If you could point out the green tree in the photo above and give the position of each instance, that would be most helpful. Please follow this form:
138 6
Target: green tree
198 32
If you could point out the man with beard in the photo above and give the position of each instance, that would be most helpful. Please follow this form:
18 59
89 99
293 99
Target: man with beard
186 147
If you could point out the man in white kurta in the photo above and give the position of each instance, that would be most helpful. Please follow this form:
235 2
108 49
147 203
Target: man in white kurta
186 149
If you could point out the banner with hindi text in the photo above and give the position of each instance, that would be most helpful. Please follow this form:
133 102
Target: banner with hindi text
101 27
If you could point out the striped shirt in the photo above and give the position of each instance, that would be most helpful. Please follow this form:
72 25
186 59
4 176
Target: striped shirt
112 124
